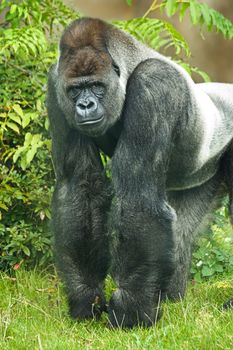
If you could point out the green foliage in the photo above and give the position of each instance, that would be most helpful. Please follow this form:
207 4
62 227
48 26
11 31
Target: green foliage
161 35
214 251
155 33
194 70
129 2
209 259
25 243
200 14
45 14
26 52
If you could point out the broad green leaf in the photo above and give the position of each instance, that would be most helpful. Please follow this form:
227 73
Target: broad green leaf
15 118
30 154
206 14
47 213
195 11
171 7
26 120
197 277
183 9
18 153
13 9
218 268
28 139
207 271
3 206
46 124
18 110
23 163
13 126
35 139
26 250
38 105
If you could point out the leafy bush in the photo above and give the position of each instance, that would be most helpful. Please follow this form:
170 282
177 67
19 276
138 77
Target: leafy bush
28 45
214 251
26 52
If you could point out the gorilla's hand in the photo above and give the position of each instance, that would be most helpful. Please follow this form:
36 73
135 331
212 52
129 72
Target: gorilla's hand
127 311
88 303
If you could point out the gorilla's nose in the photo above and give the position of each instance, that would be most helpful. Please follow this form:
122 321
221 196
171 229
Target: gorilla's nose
86 107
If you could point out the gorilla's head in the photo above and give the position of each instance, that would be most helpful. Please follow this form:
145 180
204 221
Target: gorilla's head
89 89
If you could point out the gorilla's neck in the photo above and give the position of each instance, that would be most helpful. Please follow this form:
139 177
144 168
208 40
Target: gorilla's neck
107 142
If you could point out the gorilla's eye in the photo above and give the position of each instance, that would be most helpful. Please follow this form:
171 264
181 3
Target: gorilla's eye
74 92
98 90
116 69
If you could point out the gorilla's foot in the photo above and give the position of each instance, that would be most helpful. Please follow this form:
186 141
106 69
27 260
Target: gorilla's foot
177 286
174 294
88 303
125 311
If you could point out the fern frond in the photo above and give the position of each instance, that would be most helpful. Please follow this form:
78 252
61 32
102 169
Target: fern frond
25 42
155 33
200 14
190 69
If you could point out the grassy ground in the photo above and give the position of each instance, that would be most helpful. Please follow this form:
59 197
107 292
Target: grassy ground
33 315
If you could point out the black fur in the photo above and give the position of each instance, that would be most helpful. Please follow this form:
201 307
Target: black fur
110 93
228 304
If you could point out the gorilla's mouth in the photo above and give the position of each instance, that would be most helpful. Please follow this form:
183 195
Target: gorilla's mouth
90 121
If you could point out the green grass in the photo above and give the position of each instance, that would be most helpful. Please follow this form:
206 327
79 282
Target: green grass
33 315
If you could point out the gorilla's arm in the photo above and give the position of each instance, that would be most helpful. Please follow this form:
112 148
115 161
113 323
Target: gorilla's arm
80 204
143 219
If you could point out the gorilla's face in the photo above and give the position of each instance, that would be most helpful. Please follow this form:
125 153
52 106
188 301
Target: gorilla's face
89 91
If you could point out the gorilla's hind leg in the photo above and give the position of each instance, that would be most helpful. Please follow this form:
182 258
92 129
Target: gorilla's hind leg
192 206
227 163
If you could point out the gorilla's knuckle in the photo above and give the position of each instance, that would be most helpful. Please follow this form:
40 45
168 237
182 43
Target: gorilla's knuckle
86 303
128 311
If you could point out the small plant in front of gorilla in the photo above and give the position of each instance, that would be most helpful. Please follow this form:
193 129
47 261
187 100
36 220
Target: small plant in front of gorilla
210 259
25 244
213 252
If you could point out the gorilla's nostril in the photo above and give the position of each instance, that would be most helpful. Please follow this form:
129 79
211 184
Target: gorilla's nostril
90 105
82 106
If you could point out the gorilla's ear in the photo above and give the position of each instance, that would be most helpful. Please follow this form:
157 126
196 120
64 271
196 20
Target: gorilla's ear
116 68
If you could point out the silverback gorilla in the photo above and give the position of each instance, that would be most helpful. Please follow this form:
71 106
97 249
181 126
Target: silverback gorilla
170 141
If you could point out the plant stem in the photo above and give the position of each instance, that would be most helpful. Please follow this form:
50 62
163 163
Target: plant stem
154 6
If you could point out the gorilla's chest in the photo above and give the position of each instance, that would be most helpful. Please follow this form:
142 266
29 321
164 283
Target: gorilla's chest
107 142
